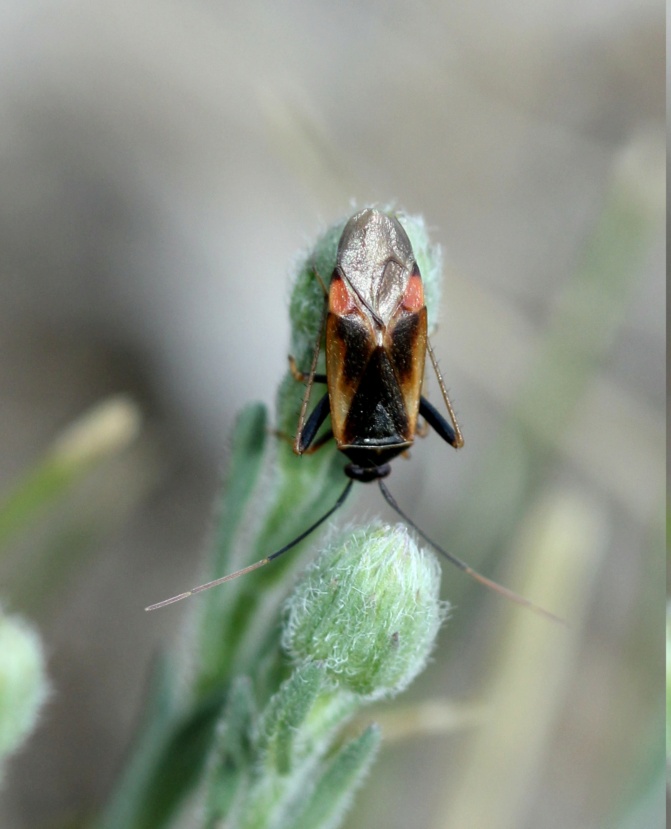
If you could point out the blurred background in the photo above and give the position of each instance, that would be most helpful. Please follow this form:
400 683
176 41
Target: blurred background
161 166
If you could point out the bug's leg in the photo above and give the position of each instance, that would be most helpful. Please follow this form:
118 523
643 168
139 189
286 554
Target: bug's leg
304 439
302 376
299 441
456 439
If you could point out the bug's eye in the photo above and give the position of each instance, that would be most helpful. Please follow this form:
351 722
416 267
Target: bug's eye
413 298
340 299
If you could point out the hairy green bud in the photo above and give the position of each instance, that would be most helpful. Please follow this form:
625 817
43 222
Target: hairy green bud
23 683
368 610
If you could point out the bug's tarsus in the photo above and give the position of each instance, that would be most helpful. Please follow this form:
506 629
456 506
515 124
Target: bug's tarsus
296 373
285 436
499 588
216 582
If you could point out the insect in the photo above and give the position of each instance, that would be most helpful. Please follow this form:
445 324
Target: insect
376 335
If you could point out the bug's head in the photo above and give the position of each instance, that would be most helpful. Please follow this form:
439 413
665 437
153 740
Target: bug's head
366 474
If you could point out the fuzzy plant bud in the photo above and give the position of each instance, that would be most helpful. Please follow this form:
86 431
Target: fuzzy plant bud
23 683
368 611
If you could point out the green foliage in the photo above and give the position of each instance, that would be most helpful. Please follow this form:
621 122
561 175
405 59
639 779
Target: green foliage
104 430
97 435
334 789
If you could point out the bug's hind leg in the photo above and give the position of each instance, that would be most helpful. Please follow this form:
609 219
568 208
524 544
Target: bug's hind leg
455 438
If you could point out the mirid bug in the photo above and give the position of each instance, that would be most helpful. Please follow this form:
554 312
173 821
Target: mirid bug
376 340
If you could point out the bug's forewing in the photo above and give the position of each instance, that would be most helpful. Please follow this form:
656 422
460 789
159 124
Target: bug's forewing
349 347
407 351
375 389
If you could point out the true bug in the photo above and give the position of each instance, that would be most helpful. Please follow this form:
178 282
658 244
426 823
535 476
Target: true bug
375 326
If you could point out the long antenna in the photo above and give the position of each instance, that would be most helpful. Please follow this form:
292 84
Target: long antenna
256 565
492 585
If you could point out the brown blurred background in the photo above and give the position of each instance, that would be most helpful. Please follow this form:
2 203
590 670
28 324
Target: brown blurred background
160 166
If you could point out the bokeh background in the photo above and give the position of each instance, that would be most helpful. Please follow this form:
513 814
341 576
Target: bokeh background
161 165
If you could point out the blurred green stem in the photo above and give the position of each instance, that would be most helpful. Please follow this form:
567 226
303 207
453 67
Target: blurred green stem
99 433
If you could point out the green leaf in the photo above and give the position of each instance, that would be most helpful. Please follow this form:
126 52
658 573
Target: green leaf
217 629
286 713
248 447
99 433
342 775
166 768
160 714
232 757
